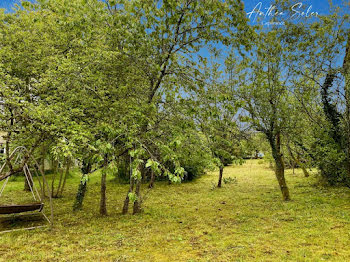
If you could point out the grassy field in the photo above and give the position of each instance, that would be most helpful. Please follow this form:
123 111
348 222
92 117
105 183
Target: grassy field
243 221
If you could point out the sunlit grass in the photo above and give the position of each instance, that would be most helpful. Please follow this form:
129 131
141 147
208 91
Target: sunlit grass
243 221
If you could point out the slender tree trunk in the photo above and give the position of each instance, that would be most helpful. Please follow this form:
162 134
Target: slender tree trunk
62 173
103 205
26 185
306 174
151 183
296 160
53 184
78 204
54 165
221 172
127 199
131 189
281 179
138 201
60 189
279 169
54 170
43 156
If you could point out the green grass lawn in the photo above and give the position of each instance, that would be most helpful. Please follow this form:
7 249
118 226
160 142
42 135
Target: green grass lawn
243 221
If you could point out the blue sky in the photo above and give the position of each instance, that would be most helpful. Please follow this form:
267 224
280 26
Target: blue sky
6 4
320 6
317 5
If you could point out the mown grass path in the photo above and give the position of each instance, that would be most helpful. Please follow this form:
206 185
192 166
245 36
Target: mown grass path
243 221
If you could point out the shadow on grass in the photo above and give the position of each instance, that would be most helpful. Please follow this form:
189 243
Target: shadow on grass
19 221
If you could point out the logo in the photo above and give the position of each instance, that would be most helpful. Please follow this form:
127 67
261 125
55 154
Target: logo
295 12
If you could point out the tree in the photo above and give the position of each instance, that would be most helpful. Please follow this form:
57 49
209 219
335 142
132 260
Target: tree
262 85
319 55
100 72
216 116
162 46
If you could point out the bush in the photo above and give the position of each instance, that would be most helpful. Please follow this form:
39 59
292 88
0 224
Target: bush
230 180
330 158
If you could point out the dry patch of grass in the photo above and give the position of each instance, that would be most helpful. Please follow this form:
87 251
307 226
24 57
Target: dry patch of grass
244 221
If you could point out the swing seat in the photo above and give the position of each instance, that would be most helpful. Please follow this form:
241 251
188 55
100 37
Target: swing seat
14 209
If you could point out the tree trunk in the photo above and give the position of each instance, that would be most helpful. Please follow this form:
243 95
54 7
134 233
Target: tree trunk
131 189
306 174
43 156
275 144
55 195
78 204
221 172
103 207
296 160
138 201
281 180
54 164
151 183
68 163
26 185
127 199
